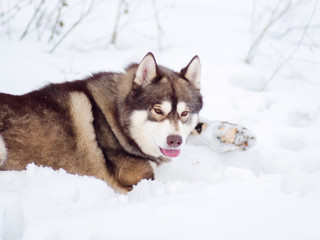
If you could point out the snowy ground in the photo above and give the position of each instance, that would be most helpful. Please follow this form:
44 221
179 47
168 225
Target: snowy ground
269 192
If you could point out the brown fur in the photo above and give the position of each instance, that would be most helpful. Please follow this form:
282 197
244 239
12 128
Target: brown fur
77 126
54 127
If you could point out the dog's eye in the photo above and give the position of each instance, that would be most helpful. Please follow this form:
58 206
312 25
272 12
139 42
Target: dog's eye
158 111
184 113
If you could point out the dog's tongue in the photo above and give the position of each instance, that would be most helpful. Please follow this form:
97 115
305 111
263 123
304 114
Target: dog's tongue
170 152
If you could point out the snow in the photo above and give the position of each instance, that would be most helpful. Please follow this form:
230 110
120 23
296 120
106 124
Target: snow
271 191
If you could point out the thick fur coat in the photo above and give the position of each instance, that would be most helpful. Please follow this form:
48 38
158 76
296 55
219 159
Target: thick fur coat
113 126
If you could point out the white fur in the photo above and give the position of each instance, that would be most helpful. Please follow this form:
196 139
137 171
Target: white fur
193 73
153 165
142 132
3 151
185 129
151 136
182 106
166 107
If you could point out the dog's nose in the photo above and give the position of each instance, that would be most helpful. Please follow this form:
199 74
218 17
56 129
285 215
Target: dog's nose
174 140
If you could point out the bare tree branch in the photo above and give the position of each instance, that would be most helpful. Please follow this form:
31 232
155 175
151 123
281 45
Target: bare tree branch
159 28
116 24
286 60
273 19
57 21
32 19
83 15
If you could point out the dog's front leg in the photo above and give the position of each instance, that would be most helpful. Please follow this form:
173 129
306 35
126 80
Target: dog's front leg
129 170
222 136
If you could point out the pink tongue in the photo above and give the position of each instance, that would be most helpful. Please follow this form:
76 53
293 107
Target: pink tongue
170 152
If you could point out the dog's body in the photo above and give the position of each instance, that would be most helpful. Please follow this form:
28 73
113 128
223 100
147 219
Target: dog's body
111 125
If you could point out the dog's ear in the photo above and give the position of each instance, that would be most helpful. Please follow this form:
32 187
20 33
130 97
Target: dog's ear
192 72
147 70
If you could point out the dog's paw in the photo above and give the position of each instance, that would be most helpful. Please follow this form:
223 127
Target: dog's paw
237 135
222 136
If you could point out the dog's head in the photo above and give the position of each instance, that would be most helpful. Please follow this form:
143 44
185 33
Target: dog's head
164 106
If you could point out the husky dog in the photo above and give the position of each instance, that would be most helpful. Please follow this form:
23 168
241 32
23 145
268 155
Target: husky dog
112 126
